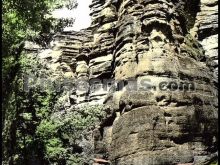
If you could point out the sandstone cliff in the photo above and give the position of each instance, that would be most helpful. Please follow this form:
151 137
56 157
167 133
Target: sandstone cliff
158 41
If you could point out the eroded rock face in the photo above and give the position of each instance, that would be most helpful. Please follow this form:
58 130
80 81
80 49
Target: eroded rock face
206 27
167 44
154 42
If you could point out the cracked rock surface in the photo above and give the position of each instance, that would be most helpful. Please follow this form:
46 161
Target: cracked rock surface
158 41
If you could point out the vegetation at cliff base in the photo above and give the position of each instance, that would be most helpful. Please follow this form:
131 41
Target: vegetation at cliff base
36 127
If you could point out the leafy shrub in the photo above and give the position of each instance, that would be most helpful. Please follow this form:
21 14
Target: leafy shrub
63 132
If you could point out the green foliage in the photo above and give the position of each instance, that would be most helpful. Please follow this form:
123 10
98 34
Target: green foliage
55 150
36 125
26 20
21 116
215 162
40 122
62 132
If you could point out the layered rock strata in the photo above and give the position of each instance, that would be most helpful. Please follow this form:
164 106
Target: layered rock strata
160 126
205 29
162 56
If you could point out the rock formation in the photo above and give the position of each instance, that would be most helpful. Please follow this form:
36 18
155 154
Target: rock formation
168 44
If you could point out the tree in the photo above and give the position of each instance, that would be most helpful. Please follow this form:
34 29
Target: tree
23 20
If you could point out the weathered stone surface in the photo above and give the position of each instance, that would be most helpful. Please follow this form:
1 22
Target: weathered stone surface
205 29
141 43
152 42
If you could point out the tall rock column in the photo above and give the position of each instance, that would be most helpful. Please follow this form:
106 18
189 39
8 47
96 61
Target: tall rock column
104 19
74 48
82 68
173 121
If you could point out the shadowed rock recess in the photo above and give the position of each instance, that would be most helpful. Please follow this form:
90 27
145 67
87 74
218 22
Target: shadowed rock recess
158 41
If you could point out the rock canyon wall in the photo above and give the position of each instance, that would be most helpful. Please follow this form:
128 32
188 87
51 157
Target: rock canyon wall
165 44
